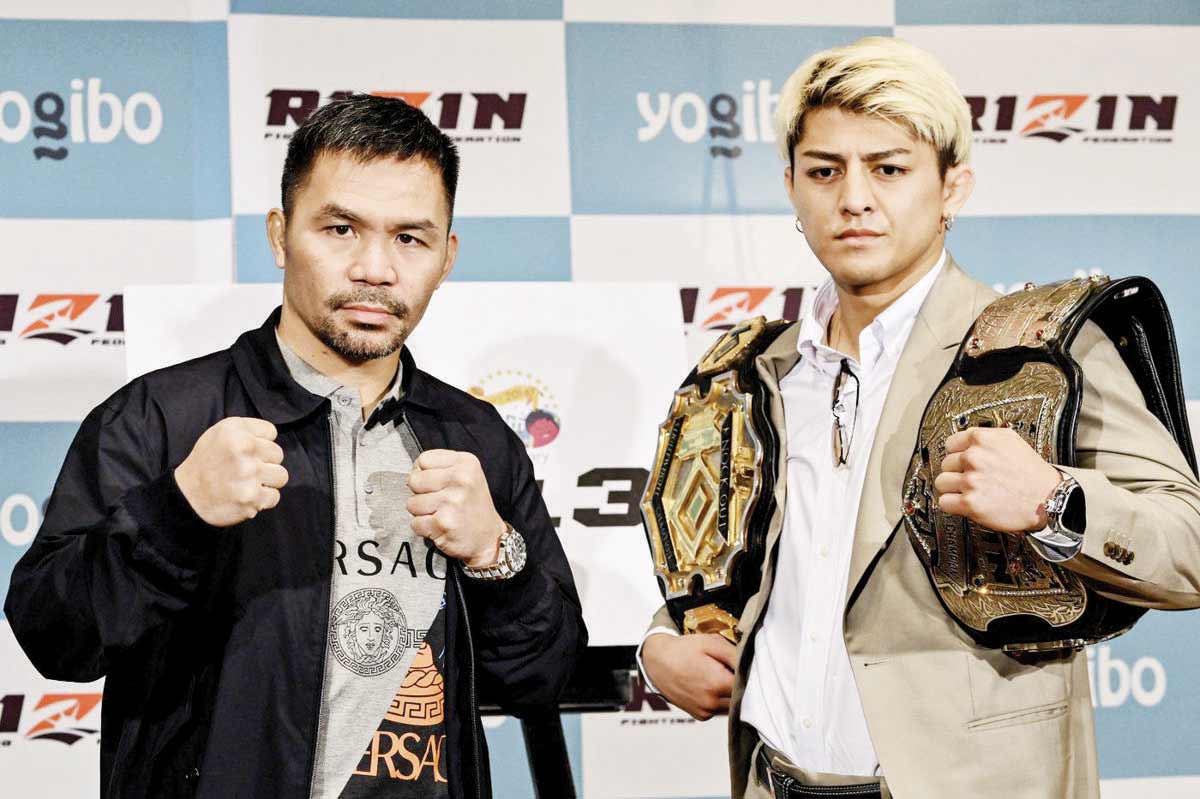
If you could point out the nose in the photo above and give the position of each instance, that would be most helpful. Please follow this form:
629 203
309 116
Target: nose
374 262
857 197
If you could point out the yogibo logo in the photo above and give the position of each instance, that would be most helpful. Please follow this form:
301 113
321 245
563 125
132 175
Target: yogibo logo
1115 681
85 115
723 119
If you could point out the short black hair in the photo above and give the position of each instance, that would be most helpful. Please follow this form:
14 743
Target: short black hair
368 127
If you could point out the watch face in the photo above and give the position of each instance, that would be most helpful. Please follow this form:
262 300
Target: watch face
515 551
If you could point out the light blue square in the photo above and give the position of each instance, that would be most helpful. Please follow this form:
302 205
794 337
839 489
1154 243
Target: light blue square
1040 12
33 454
646 103
168 157
411 9
1013 249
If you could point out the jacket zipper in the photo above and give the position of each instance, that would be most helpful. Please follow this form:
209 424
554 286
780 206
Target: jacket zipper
452 570
312 754
462 604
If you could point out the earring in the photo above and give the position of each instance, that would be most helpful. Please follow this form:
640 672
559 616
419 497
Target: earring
948 222
798 228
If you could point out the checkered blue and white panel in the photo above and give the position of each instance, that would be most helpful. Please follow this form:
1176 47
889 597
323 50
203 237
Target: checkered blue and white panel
603 141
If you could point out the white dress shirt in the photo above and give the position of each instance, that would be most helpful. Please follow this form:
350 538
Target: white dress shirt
801 695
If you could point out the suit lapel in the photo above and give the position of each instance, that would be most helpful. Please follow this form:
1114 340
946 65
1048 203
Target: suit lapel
947 313
772 365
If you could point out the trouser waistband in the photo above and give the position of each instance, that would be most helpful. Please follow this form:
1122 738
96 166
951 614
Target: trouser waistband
789 786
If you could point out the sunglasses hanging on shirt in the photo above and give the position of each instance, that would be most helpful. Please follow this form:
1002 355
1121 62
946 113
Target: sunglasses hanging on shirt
843 428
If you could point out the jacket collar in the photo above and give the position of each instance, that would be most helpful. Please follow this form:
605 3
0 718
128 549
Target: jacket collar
281 400
953 304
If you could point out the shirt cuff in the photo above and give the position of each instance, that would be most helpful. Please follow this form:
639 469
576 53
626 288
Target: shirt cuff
642 671
1054 546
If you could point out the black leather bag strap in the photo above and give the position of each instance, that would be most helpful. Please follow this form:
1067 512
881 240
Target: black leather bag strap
1133 314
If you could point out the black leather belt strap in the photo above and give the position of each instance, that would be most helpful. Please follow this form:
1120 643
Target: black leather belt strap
785 786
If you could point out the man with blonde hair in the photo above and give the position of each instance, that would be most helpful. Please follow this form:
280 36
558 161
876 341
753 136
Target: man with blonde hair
848 671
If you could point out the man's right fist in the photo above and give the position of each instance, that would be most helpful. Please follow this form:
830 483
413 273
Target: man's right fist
233 472
694 672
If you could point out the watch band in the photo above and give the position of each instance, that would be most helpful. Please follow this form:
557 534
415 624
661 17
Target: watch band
510 561
1059 503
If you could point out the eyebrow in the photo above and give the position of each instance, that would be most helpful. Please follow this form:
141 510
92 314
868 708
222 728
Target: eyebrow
335 210
882 155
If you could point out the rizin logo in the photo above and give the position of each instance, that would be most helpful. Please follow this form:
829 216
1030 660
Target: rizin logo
63 318
524 402
88 115
1108 118
725 307
61 719
466 116
722 119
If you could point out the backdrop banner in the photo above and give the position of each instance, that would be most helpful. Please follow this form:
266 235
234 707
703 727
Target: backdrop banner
621 203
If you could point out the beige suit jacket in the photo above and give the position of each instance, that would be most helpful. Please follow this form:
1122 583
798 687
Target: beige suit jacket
947 717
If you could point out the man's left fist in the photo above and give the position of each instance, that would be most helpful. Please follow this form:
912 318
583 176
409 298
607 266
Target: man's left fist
452 507
994 478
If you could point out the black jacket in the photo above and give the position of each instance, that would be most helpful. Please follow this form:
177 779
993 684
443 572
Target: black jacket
212 640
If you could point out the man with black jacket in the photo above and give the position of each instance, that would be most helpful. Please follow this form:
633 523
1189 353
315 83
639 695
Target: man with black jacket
300 561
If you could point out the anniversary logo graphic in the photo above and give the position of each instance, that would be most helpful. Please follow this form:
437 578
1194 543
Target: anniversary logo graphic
526 404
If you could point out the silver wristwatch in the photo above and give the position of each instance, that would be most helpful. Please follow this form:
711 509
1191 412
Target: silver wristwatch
511 560
1057 505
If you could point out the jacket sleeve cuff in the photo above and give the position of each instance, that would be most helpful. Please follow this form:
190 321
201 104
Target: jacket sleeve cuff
504 599
1109 517
168 524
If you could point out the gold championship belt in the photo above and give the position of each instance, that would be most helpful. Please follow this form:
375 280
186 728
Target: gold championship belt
711 491
1014 369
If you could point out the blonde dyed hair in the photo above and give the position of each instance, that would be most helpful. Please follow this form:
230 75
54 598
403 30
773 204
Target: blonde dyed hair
882 77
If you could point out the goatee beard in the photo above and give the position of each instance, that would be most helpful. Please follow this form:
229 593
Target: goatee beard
355 345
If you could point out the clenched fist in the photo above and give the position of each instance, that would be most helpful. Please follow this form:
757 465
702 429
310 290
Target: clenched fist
233 472
994 478
694 672
452 507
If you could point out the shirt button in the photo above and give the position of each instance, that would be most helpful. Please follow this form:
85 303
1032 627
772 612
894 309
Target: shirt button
363 442
813 637
807 722
369 490
823 551
343 400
